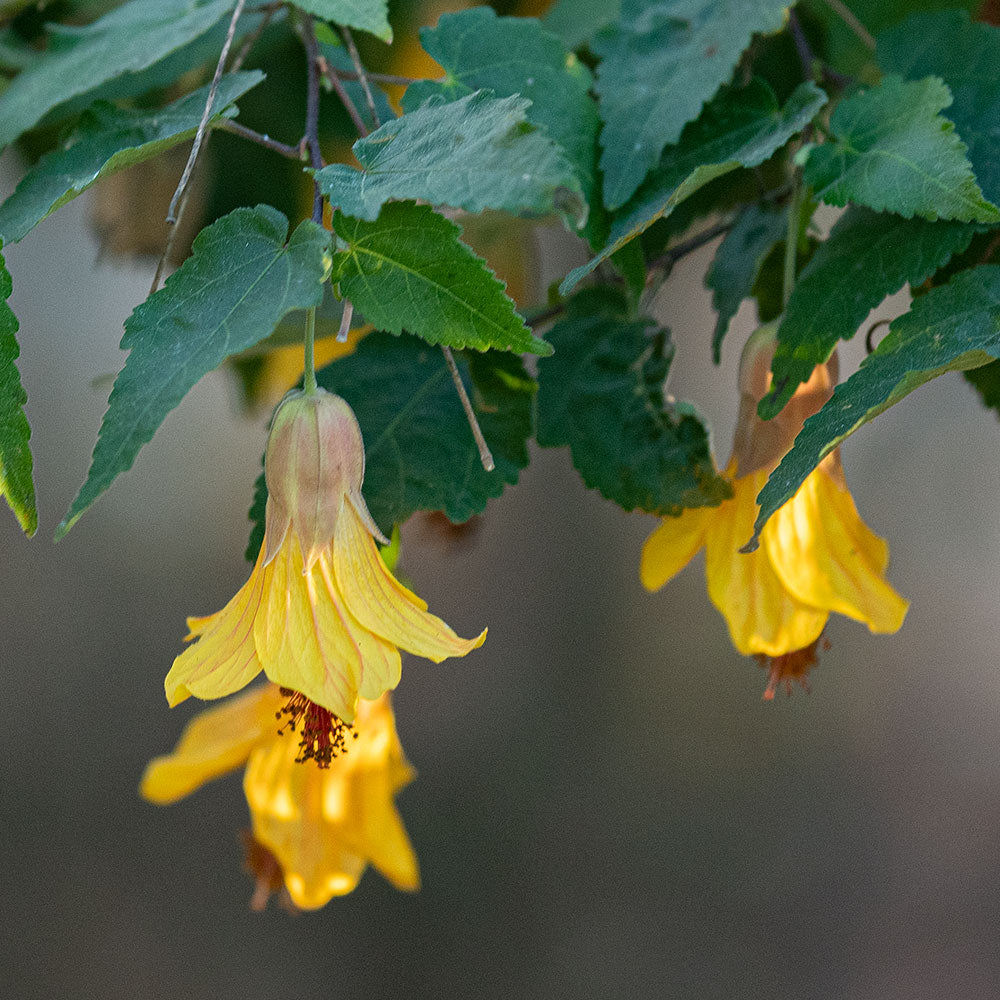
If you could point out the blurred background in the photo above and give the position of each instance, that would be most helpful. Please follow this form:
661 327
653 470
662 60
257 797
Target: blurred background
605 806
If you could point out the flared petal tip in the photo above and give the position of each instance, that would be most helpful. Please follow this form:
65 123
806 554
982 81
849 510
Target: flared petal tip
156 785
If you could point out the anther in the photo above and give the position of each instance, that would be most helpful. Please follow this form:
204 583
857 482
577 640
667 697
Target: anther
790 667
322 735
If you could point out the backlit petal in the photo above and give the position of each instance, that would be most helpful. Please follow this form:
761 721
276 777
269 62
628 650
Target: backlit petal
827 556
763 616
213 742
224 658
382 604
672 546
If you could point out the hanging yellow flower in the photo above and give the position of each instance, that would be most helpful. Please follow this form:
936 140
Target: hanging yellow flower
816 554
318 826
321 614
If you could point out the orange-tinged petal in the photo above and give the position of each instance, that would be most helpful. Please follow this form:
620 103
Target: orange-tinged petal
672 546
302 638
827 556
213 742
382 604
224 659
763 616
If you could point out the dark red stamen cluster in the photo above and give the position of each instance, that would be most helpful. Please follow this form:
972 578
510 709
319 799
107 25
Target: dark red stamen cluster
322 735
790 667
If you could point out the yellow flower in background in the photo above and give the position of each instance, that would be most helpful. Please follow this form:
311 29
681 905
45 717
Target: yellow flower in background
816 554
321 614
321 825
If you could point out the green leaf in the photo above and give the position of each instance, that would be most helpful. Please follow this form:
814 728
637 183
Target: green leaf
419 450
365 15
16 484
602 393
740 128
986 381
518 56
658 67
952 328
892 151
408 270
474 153
868 256
967 57
577 21
126 40
737 264
105 141
240 280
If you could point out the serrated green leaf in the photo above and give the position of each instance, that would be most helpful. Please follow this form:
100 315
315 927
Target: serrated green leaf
740 128
986 381
365 15
105 141
658 67
868 256
518 56
474 153
737 264
602 393
16 484
126 40
239 281
892 151
953 327
967 57
419 450
408 270
577 21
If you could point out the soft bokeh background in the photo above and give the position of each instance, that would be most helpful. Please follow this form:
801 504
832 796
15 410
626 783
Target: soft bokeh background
605 807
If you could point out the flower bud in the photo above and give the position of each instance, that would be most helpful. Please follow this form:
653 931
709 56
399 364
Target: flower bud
758 443
315 459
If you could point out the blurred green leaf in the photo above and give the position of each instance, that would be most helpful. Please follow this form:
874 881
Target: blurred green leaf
967 57
409 271
602 394
739 128
953 327
419 450
867 256
240 280
474 153
16 484
105 141
738 262
518 56
986 381
126 40
577 21
892 151
365 15
658 67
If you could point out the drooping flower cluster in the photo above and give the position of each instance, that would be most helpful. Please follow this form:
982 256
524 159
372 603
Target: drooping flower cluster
816 554
319 828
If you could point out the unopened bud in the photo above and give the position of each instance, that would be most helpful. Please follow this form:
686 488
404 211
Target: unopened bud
315 460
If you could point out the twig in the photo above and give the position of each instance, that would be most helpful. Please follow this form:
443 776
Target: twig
362 75
389 79
485 455
345 321
544 315
847 16
254 37
205 115
292 152
670 257
802 46
333 79
312 111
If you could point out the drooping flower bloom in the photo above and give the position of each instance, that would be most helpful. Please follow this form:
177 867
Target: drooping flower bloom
816 554
316 828
321 614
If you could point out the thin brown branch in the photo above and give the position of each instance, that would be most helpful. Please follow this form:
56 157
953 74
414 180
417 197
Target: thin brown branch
485 455
291 152
387 79
669 257
338 88
254 36
848 17
362 75
308 33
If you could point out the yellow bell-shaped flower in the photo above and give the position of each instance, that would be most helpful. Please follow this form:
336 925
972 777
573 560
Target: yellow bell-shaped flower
816 554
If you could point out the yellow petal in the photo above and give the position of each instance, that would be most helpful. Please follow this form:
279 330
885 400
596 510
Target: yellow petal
672 546
213 742
763 616
827 556
302 637
224 659
382 604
